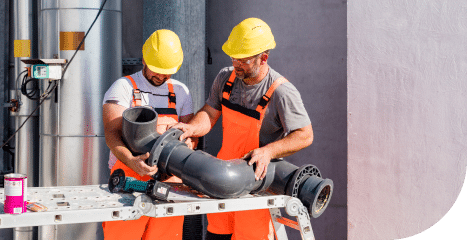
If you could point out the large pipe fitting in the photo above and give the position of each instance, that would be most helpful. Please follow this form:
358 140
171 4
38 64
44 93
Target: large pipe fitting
219 178
139 129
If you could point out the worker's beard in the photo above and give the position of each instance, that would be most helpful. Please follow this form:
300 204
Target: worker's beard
242 74
155 81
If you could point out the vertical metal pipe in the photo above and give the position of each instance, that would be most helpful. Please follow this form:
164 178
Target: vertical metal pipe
26 140
26 151
73 149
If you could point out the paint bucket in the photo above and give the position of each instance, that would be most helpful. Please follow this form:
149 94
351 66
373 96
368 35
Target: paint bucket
15 193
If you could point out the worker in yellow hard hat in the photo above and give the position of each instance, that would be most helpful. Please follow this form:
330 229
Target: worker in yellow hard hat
263 118
152 86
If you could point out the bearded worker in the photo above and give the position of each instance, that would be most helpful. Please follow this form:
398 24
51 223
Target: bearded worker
263 118
150 87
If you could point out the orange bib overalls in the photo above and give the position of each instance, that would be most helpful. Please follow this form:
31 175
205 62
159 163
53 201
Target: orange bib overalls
167 228
241 127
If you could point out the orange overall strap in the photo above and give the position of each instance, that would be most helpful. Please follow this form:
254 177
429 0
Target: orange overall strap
136 93
228 86
172 99
267 96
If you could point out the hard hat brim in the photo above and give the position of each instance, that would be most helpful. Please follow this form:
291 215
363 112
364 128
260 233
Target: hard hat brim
162 70
240 53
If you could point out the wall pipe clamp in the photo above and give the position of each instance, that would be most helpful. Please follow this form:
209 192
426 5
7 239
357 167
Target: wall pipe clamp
218 178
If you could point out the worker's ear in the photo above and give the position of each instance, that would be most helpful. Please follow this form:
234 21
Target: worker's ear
264 58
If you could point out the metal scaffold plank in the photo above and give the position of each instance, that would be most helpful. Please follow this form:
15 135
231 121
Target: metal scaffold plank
67 205
95 203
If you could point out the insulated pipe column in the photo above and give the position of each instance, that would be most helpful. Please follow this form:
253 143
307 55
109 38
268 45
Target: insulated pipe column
73 148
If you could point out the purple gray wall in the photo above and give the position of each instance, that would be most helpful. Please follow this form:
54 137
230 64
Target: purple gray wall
407 120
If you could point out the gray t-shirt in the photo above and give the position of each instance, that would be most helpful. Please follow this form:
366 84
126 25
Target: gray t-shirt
285 112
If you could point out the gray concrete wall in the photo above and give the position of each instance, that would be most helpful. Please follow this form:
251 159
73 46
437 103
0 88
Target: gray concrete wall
311 53
407 120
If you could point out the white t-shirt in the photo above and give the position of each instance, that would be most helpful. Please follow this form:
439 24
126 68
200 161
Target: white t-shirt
121 93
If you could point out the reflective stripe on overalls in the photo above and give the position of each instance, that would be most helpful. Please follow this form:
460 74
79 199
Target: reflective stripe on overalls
145 227
241 127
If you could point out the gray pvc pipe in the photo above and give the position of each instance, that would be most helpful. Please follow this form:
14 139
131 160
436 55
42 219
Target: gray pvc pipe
215 177
210 175
139 129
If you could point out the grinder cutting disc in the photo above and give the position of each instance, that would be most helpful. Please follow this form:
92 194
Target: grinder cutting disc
117 181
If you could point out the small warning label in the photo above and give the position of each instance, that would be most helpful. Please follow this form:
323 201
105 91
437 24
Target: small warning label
13 188
17 210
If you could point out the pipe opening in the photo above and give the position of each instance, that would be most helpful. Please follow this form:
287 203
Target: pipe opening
140 115
323 198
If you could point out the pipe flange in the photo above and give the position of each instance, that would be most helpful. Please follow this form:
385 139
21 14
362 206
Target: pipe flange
299 176
169 135
164 156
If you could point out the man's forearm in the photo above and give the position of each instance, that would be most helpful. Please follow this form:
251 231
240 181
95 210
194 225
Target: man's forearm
201 123
292 143
118 148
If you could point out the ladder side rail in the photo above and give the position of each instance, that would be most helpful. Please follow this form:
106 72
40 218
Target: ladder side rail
279 226
293 208
162 209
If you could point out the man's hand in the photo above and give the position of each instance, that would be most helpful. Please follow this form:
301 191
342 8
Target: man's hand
192 142
262 158
199 125
290 144
139 166
187 130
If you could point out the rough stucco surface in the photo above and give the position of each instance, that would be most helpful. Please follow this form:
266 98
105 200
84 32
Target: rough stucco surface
407 115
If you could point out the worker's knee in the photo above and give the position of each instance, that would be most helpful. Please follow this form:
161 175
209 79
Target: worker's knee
213 236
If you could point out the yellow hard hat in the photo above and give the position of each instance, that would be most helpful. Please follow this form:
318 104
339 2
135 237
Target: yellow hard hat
162 52
250 37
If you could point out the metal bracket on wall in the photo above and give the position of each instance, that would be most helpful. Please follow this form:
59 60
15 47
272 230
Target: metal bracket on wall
132 61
